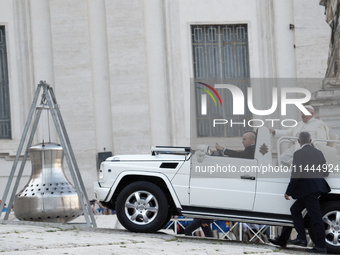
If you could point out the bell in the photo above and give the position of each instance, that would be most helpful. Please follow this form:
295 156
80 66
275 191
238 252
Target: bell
48 196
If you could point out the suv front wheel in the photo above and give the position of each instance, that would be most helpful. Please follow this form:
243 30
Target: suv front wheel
142 207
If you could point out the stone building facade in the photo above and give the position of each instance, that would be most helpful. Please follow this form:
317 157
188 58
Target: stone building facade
122 70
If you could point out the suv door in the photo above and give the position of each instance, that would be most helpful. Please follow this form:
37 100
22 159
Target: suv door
221 182
270 193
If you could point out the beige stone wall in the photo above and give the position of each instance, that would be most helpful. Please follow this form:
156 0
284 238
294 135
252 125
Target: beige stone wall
312 35
128 76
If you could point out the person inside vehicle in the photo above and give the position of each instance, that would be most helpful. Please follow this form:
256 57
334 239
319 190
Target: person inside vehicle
248 141
316 128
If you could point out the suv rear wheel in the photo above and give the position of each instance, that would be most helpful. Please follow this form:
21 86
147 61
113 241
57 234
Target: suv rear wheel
142 207
331 217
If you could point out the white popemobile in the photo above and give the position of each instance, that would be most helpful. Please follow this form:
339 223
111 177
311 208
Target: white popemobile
146 190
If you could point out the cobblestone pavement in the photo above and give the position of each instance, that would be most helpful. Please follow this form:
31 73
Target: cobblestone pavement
26 238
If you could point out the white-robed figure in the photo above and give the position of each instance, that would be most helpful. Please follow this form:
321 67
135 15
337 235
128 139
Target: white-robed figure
316 128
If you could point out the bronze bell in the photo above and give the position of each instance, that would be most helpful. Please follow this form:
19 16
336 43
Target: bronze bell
48 196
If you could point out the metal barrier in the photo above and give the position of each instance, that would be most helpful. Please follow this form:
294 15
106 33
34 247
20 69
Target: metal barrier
327 141
283 139
256 232
292 139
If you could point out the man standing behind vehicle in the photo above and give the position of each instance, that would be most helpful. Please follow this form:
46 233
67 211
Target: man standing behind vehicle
248 141
307 183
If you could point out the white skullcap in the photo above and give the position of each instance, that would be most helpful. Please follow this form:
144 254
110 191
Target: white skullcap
309 107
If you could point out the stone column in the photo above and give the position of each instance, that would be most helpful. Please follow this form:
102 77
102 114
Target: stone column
42 41
157 77
100 75
42 55
24 75
179 92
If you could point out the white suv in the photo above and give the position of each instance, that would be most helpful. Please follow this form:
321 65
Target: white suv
146 190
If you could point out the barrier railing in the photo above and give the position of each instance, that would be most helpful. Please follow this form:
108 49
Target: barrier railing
283 139
232 233
316 143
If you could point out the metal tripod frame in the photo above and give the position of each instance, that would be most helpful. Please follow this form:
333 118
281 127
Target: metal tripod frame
51 100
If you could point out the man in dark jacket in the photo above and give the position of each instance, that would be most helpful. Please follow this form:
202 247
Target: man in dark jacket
307 183
248 141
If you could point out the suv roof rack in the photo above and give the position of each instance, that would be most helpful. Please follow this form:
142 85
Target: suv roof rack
170 150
